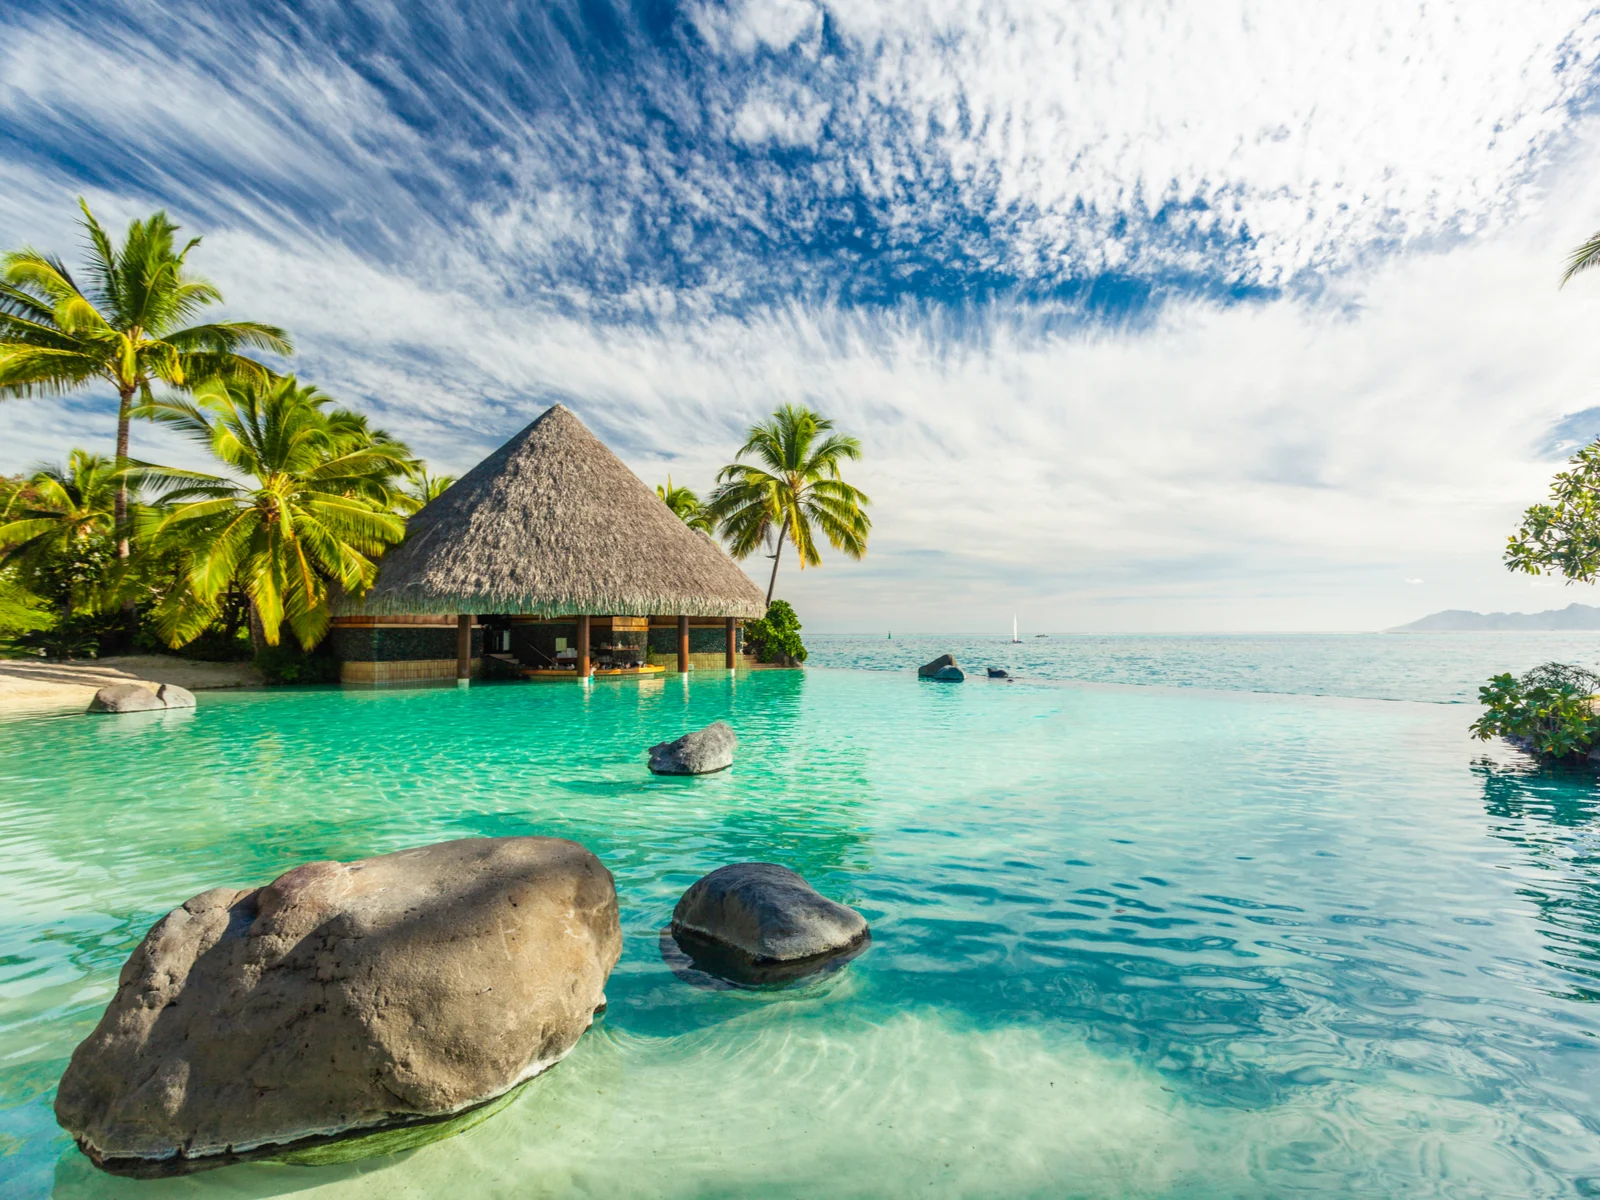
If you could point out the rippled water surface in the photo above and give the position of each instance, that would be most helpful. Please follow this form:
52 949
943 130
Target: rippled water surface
1127 941
1444 667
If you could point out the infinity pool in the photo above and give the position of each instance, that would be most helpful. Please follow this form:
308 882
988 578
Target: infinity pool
1126 941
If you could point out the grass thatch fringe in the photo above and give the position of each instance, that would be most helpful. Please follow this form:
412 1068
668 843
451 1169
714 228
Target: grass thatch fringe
552 524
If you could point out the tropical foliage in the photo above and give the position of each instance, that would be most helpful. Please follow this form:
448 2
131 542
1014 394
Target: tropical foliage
423 490
1550 710
686 506
776 637
791 492
127 323
57 532
306 506
1563 536
1581 259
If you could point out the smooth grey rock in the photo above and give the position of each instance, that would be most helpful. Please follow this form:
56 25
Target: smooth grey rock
950 675
767 913
699 753
343 999
126 698
173 696
997 673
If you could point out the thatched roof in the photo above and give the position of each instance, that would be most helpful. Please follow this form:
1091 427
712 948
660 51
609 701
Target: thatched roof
553 523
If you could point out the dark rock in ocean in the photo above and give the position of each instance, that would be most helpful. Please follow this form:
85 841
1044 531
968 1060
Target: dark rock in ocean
997 673
173 696
345 1009
127 698
700 753
942 668
759 922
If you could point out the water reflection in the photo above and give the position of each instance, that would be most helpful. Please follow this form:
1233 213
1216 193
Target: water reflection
1552 815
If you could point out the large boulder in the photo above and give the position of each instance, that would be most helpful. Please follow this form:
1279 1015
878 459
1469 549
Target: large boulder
699 753
342 1003
766 916
126 698
943 669
139 697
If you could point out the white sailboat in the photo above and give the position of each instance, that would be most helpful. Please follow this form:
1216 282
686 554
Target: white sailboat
1015 640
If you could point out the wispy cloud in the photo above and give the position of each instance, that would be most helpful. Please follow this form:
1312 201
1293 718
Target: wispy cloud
1244 315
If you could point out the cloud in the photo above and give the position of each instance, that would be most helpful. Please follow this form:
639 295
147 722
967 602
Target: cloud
1149 318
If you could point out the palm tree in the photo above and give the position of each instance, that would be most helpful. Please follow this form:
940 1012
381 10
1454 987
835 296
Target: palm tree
61 523
423 490
303 511
127 328
795 489
686 506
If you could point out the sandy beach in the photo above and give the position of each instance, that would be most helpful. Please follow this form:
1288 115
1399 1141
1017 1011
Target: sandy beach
35 684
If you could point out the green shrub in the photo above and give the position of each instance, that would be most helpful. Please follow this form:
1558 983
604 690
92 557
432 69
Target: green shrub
288 663
1549 711
21 612
776 637
65 640
216 644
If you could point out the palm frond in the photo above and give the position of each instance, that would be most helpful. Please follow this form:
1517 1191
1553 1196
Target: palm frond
1581 259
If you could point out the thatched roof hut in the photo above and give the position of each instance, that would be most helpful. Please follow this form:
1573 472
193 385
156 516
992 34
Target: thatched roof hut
553 524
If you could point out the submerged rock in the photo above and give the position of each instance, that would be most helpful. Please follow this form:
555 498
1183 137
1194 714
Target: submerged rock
759 920
997 673
943 669
344 1009
127 698
699 753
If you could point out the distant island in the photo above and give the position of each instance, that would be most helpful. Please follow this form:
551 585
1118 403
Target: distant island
1456 620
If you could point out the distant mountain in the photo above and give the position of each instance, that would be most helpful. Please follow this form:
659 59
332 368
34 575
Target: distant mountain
1573 616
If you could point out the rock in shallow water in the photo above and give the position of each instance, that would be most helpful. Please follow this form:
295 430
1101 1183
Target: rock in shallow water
126 698
699 753
136 697
943 669
767 915
343 1000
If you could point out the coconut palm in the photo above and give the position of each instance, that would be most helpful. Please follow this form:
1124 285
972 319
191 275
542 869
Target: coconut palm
302 512
423 490
686 506
125 326
60 524
792 492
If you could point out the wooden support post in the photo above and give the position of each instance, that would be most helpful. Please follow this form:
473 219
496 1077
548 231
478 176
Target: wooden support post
683 644
583 646
463 647
733 639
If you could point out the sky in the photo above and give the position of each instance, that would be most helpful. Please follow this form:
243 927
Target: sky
1149 317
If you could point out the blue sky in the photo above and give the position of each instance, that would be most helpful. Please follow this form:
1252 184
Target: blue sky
1152 317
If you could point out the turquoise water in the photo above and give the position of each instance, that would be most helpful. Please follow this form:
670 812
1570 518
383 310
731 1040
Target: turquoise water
1126 941
1447 667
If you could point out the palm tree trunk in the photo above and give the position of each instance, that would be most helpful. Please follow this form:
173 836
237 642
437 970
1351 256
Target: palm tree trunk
130 613
773 582
258 630
120 511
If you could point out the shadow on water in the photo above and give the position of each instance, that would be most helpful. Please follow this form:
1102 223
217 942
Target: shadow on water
1552 814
